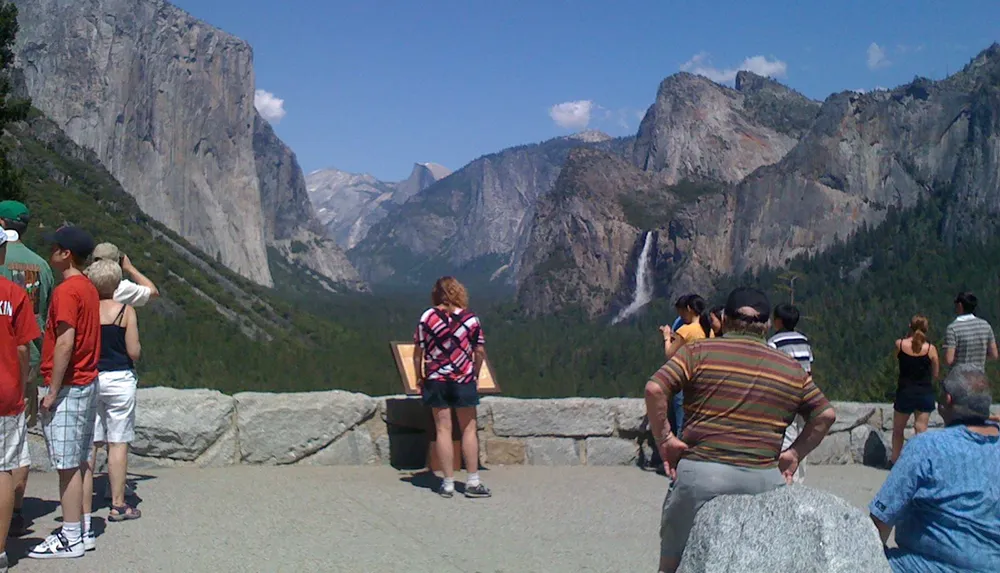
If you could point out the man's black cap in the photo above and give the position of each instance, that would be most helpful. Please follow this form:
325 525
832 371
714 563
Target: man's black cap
73 239
746 297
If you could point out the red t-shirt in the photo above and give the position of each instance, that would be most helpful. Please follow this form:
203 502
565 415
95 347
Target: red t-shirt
18 327
76 303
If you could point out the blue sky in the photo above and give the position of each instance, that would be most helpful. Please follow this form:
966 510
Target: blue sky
373 86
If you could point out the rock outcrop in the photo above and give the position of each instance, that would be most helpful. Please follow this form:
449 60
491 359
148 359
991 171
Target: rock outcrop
477 217
861 155
290 225
698 129
166 103
348 204
789 529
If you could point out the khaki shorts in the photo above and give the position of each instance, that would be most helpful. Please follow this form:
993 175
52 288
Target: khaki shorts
697 484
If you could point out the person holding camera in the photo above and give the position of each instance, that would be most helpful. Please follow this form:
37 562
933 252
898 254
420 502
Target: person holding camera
135 292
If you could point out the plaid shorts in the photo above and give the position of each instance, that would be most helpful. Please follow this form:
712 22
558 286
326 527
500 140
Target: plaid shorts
13 443
69 428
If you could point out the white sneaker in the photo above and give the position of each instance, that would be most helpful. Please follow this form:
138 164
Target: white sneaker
89 541
56 546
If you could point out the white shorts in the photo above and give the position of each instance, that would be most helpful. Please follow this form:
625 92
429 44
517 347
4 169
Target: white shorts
14 443
115 407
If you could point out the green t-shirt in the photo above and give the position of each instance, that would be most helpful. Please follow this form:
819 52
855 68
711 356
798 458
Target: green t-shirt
32 273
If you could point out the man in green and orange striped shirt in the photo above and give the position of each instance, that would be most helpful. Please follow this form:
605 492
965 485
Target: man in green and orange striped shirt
739 397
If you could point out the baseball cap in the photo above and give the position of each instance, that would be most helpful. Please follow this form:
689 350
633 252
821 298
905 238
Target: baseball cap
8 237
107 252
746 297
73 239
14 211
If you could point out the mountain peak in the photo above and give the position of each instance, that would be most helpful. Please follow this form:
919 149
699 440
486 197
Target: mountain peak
437 170
590 136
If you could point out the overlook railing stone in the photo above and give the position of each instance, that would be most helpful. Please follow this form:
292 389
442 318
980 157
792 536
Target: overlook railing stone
205 428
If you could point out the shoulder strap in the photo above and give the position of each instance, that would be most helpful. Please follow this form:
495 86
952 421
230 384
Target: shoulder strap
120 315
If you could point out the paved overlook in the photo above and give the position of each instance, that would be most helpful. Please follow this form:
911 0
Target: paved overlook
359 519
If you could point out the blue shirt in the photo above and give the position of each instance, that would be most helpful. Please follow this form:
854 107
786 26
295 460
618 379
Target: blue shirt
943 496
678 322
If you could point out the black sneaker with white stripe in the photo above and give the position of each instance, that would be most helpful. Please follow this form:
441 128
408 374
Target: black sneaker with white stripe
478 490
56 546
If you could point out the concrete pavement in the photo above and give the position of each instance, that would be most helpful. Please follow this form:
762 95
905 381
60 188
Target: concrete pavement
360 519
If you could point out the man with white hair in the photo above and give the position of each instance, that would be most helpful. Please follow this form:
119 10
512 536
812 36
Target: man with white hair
137 293
942 495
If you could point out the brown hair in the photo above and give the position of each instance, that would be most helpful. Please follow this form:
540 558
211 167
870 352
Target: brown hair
449 292
919 325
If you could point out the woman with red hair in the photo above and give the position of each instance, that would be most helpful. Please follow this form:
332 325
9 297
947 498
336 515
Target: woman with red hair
450 352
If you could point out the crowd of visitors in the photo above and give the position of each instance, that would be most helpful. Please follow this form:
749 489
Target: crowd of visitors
741 392
82 338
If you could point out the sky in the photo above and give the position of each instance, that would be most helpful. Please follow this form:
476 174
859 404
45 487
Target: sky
374 85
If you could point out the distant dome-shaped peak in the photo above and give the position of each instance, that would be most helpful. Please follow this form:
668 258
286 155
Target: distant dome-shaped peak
590 136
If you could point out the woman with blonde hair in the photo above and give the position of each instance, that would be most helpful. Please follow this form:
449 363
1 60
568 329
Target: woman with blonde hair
449 355
116 387
919 366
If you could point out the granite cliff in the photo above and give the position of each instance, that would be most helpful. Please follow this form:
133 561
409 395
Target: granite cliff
165 101
475 220
348 204
860 156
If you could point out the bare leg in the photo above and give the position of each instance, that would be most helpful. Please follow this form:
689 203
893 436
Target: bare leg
470 440
20 476
920 421
87 469
71 495
899 420
117 471
442 442
6 506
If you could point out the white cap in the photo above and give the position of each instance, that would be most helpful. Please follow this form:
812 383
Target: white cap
8 236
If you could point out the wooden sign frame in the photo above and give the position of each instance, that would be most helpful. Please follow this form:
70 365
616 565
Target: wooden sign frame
403 353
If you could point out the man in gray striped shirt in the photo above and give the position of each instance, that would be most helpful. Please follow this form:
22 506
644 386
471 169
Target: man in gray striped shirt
795 344
969 339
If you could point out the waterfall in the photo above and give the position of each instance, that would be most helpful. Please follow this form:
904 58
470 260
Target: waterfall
643 283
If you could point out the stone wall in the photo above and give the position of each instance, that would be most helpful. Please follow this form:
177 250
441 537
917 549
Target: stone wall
205 428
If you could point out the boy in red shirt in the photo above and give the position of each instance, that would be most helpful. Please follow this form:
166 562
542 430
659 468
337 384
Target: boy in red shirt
68 409
18 329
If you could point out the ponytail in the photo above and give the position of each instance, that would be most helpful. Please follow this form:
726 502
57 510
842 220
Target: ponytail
919 325
698 306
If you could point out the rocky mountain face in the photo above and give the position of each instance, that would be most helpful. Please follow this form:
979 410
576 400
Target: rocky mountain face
290 225
859 156
348 204
166 103
475 219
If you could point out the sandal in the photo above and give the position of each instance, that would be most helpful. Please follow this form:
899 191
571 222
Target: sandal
124 513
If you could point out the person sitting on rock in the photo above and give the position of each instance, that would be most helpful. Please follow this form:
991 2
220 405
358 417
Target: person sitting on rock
942 495
742 395
450 352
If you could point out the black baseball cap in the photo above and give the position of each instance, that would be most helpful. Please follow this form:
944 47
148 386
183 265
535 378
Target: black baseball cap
746 297
73 239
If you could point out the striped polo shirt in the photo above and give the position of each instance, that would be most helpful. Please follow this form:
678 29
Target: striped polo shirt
971 337
794 344
739 396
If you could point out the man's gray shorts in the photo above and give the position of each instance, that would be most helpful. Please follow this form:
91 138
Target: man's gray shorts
698 483
69 428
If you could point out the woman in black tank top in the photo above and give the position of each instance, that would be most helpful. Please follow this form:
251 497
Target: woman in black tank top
918 367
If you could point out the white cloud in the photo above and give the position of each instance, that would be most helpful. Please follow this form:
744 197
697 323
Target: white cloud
270 106
701 65
572 114
876 57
